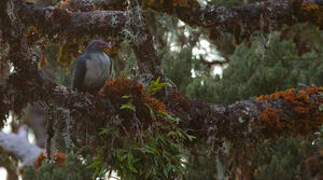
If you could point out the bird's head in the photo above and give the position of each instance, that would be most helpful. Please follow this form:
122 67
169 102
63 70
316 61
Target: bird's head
98 45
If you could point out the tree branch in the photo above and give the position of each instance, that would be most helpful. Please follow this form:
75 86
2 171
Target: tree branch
55 21
239 21
52 20
293 112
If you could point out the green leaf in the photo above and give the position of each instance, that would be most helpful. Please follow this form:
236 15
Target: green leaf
97 164
150 149
152 114
191 138
93 165
155 86
321 108
132 168
241 120
169 117
165 172
105 131
126 97
172 133
160 139
128 106
131 162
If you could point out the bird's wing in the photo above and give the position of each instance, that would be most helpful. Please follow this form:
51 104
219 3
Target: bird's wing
107 63
79 73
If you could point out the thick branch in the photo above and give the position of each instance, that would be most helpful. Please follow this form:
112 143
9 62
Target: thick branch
295 112
292 112
55 21
240 21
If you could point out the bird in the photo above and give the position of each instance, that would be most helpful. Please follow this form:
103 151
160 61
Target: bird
92 68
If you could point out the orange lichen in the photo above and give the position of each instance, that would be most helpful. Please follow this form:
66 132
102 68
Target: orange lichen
308 159
274 118
156 104
306 119
131 100
310 7
311 11
118 89
301 110
313 90
298 98
40 159
304 96
277 95
59 159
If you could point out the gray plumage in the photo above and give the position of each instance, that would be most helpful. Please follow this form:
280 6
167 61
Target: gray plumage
92 68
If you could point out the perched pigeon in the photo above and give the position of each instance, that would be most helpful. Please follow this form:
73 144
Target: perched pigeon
92 68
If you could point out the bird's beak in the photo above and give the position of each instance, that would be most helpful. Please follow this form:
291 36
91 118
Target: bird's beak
107 47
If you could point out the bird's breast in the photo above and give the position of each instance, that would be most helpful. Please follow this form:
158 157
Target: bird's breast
97 71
